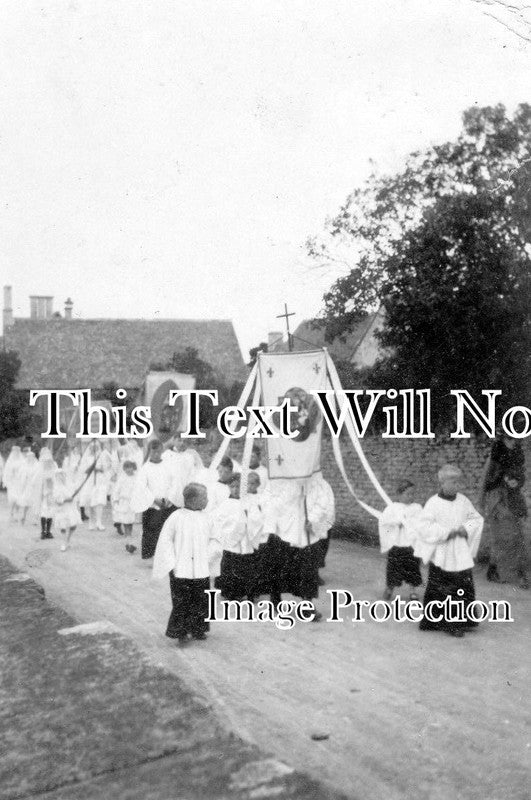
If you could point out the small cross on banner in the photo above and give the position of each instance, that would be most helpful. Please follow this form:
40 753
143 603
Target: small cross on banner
279 460
270 372
316 368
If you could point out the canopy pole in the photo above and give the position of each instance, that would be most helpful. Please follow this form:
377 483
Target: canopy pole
246 393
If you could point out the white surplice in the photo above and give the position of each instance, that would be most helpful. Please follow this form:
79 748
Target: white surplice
188 544
289 503
399 525
439 517
154 480
230 521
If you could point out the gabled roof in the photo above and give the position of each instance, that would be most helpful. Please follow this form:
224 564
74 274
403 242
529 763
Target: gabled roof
87 353
311 333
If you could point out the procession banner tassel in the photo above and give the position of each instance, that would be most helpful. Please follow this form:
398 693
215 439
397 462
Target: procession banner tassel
336 385
339 461
246 393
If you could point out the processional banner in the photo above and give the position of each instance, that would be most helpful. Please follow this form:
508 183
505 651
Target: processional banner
294 376
167 420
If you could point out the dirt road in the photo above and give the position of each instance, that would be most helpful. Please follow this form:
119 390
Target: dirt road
407 714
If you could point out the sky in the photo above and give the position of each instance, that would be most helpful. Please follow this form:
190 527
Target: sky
169 159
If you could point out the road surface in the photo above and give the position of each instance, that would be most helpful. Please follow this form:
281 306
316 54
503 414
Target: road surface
406 713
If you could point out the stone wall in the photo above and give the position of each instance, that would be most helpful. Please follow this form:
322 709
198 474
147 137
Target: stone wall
391 460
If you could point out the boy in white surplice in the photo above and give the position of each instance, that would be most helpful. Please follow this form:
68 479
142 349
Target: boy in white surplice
186 550
397 528
448 540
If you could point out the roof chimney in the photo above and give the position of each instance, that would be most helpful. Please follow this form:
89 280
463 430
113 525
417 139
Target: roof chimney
8 308
274 337
68 308
40 306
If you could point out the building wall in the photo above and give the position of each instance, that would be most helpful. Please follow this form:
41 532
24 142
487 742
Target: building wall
369 349
391 460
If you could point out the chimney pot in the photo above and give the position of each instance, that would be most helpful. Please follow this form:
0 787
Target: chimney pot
41 306
274 338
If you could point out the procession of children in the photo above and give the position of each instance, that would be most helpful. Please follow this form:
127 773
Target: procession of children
201 530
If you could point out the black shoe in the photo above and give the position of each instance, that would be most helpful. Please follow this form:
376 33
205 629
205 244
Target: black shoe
200 636
130 548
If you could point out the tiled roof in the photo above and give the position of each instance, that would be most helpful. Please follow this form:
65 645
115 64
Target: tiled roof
59 353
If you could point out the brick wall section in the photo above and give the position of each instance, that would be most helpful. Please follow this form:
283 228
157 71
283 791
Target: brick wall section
391 460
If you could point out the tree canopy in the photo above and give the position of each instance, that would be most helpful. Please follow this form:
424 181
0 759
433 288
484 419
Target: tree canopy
443 247
189 362
14 408
253 353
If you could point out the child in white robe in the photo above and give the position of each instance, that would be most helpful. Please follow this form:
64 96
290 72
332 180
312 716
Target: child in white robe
122 512
398 528
153 497
219 491
96 467
186 549
256 466
71 462
11 479
448 540
254 503
185 465
132 451
238 522
45 501
298 514
66 516
28 483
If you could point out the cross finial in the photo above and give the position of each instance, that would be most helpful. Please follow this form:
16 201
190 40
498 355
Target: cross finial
286 315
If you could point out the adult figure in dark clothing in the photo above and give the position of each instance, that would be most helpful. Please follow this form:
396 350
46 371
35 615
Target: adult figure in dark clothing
506 510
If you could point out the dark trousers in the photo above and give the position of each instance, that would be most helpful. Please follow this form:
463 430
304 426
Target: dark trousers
189 606
323 545
152 521
442 584
402 567
291 569
238 577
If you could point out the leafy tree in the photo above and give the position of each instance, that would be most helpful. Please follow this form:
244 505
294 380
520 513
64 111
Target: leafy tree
253 353
443 247
15 413
107 392
189 362
457 305
491 156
